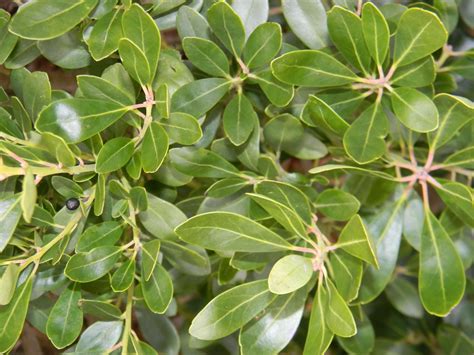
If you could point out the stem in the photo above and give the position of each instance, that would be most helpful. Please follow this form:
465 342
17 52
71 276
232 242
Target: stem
305 250
128 320
424 189
7 171
429 159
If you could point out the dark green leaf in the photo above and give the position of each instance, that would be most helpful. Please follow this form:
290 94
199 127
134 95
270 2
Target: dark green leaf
158 290
154 148
115 154
206 56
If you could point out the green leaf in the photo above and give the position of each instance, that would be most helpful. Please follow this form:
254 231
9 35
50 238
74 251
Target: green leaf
105 35
135 61
346 273
263 45
162 101
28 196
115 154
139 198
364 140
339 317
355 240
94 87
123 277
463 158
149 259
7 39
65 319
311 68
189 259
413 217
226 187
76 120
417 74
198 97
458 198
99 337
403 295
10 213
252 12
419 34
161 218
363 342
141 30
182 128
345 29
92 265
319 336
158 290
8 281
275 329
231 310
201 163
441 274
307 20
317 113
230 232
337 204
283 131
415 110
206 56
154 147
101 310
12 316
24 53
376 32
279 94
191 23
36 93
66 187
46 19
452 339
101 234
289 274
454 113
238 119
227 26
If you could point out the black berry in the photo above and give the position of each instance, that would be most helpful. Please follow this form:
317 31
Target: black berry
72 204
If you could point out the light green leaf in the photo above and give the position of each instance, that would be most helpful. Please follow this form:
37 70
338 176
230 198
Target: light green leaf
355 240
12 316
231 310
230 232
345 29
36 93
289 274
415 110
10 213
135 61
65 319
101 310
158 290
94 87
154 148
227 26
123 277
92 265
252 12
114 154
97 235
105 35
463 158
416 75
307 20
441 274
376 32
46 19
364 140
162 101
99 337
8 282
339 317
76 120
150 253
337 204
206 56
317 113
28 196
311 68
239 119
419 34
263 45
413 218
346 273
182 128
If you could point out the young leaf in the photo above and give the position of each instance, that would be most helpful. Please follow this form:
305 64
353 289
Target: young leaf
42 20
263 45
441 275
239 117
206 56
364 140
231 310
227 26
101 234
90 266
8 282
10 213
65 320
105 35
289 274
28 196
114 154
345 29
339 317
99 337
182 128
76 120
158 290
149 259
376 32
355 240
123 277
419 34
310 68
337 204
230 232
154 147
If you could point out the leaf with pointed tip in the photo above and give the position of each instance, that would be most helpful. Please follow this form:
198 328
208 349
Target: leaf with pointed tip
364 140
114 155
10 213
238 119
289 274
150 254
252 12
441 274
230 232
65 319
310 68
231 310
105 35
154 147
206 56
158 290
317 113
339 317
263 45
376 32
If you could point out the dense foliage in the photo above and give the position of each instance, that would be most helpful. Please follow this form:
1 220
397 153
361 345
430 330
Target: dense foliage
289 176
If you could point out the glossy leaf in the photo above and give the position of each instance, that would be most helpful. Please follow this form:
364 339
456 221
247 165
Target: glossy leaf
404 297
100 336
10 213
417 74
8 281
253 13
123 277
114 154
337 204
263 45
376 32
106 233
94 87
317 113
289 274
239 118
149 259
339 318
182 128
206 56
92 265
158 290
154 147
135 61
105 35
347 274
